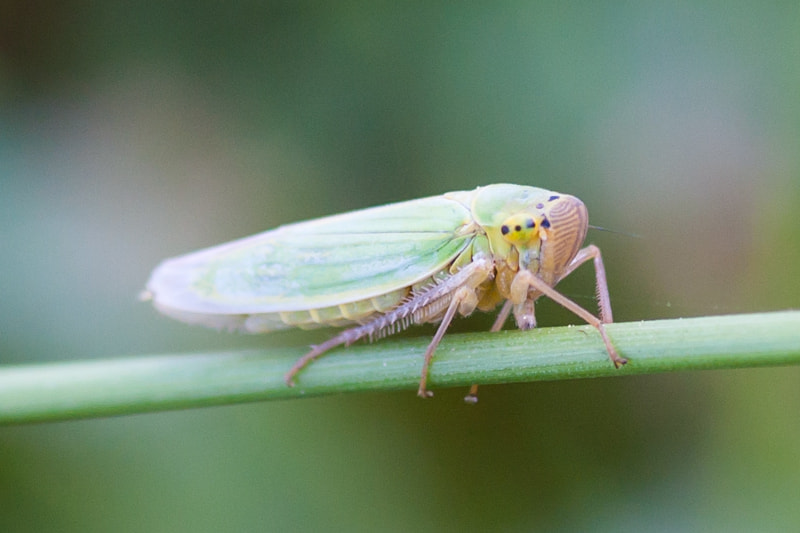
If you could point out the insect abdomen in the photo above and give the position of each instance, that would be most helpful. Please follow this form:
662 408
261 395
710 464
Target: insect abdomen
335 315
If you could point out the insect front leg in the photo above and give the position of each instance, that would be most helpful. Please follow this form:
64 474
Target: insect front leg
525 280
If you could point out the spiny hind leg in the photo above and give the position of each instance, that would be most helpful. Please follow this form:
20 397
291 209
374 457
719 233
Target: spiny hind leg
604 300
423 307
346 337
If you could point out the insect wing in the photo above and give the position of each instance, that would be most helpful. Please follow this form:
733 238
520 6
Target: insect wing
322 262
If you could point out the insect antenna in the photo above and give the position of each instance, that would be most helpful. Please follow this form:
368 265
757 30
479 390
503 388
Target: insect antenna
617 232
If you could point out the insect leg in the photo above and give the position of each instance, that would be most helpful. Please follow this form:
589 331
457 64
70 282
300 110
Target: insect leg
502 316
346 337
464 295
526 279
604 300
426 306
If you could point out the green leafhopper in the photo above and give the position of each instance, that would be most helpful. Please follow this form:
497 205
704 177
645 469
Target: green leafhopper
379 270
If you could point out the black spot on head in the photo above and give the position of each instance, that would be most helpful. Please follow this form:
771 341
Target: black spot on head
554 197
504 229
545 223
517 228
530 223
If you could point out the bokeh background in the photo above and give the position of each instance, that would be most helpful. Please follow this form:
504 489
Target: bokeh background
130 132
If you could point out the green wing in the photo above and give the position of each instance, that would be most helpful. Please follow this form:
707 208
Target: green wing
323 262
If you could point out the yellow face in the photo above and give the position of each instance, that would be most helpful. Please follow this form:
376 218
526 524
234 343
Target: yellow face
522 229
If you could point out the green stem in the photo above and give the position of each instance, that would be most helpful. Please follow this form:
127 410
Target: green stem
80 389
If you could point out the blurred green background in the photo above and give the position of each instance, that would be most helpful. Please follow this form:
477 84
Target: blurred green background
130 132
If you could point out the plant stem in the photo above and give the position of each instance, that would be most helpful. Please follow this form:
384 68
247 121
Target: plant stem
80 389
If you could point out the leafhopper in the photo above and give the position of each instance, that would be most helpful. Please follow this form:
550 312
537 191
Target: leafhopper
378 270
